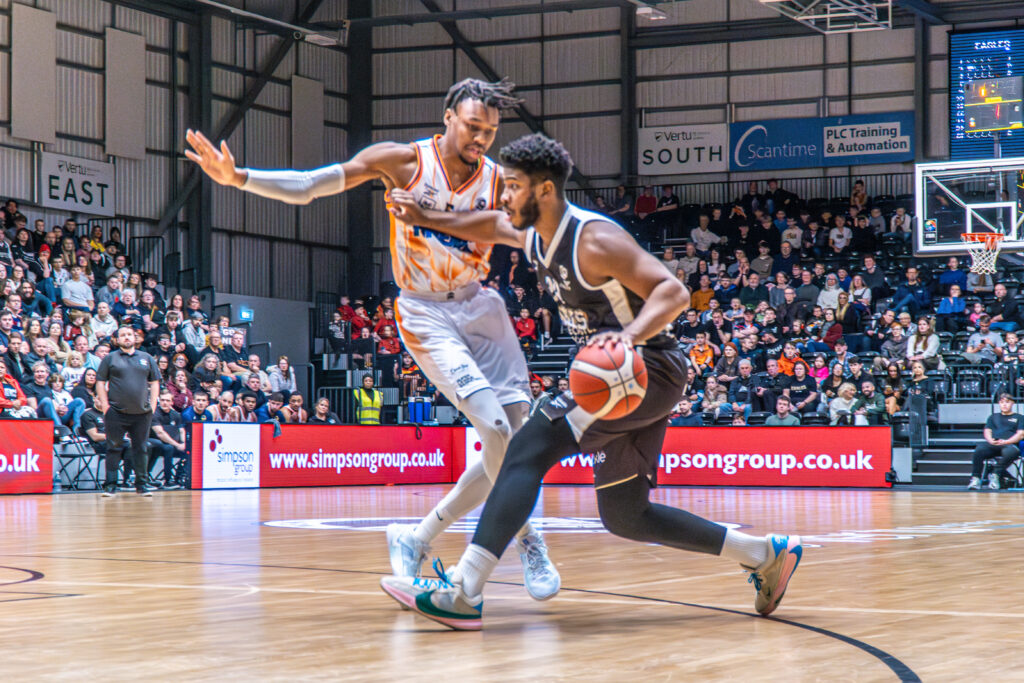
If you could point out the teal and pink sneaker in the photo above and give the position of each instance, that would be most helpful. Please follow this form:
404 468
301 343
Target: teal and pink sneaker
440 600
772 577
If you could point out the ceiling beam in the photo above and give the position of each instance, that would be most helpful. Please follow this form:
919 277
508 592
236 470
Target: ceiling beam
924 9
489 13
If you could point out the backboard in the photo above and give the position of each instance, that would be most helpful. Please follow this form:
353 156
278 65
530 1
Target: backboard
955 197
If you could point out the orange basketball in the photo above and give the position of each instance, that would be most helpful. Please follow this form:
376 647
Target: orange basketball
608 383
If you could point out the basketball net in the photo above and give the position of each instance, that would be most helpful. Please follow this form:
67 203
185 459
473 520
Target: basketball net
984 250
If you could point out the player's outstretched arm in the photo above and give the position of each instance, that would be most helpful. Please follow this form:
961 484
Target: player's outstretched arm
387 161
492 227
606 252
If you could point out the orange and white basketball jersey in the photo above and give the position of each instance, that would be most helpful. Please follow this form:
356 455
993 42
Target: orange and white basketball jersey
427 261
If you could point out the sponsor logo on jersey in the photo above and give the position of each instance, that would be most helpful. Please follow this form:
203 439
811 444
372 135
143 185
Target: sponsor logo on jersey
446 240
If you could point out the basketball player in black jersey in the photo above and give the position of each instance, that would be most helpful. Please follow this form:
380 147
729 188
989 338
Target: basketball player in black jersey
609 291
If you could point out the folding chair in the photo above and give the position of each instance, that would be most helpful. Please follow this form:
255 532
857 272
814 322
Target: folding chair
78 464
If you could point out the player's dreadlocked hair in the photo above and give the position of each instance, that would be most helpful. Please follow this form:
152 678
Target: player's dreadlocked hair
498 95
540 157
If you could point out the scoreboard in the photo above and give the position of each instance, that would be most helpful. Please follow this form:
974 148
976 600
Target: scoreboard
979 56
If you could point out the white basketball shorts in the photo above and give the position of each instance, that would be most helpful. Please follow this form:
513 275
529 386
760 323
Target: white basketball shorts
464 342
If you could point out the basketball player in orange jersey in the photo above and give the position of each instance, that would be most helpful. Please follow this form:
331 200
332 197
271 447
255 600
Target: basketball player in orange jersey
609 291
457 331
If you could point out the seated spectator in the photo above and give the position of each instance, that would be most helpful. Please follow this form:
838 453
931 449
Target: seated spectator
689 260
364 349
76 292
951 276
767 387
777 290
104 325
246 408
728 366
715 396
282 378
224 409
870 404
683 415
839 237
702 237
819 368
1003 312
783 415
702 354
60 406
860 293
206 373
669 260
13 402
337 333
387 318
801 389
199 411
235 358
762 265
814 240
912 295
985 345
271 410
893 389
702 294
294 413
855 372
951 313
924 346
741 390
181 395
94 429
900 224
167 440
789 359
807 292
980 283
841 408
754 293
360 320
86 388
322 414
1003 433
73 369
526 331
863 236
829 296
255 368
894 349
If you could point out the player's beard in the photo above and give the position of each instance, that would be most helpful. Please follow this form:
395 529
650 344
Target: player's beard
528 215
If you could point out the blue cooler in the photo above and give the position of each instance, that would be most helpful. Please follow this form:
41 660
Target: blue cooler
419 409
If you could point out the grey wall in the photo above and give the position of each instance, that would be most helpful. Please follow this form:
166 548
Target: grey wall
283 323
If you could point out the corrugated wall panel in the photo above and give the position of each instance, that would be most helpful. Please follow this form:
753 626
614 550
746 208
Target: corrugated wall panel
676 94
582 100
691 12
416 110
158 67
403 72
321 64
335 110
86 150
937 140
777 53
275 96
5 29
79 49
265 45
405 134
220 256
267 140
579 136
835 48
250 259
15 173
328 271
870 106
869 45
154 27
836 83
269 217
291 271
883 78
681 118
777 111
323 221
5 81
522 67
406 36
92 15
222 34
226 83
336 144
745 9
158 102
585 59
499 28
381 228
607 19
776 86
228 212
81 103
685 59
143 186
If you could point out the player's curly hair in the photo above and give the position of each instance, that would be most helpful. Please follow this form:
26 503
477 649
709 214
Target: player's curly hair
498 95
539 157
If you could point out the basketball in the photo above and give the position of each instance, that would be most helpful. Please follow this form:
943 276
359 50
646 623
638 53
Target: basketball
608 383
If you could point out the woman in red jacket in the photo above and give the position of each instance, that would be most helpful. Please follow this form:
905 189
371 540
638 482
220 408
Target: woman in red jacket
12 399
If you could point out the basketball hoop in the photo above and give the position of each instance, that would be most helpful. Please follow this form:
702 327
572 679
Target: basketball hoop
984 250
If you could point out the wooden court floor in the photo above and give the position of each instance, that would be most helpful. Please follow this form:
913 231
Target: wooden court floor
283 585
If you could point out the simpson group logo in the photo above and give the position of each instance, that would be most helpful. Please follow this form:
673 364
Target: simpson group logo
231 456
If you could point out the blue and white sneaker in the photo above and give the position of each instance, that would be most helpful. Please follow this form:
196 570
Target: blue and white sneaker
446 603
406 553
539 574
772 577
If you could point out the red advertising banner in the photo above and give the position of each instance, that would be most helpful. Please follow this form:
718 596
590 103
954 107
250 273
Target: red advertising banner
26 456
324 455
760 456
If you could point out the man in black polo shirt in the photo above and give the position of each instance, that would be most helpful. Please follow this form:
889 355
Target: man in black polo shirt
1003 432
167 437
127 387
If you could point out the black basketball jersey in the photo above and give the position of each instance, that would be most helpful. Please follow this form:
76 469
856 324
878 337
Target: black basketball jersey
584 309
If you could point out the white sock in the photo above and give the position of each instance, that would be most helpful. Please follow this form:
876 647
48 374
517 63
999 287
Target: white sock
750 551
433 525
474 568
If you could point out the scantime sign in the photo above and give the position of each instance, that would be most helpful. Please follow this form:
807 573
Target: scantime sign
73 184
